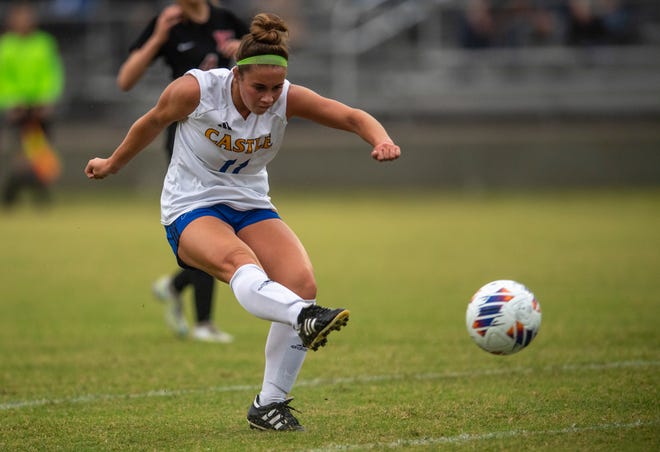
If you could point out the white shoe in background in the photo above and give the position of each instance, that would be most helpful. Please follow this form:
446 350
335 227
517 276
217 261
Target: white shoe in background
207 332
174 316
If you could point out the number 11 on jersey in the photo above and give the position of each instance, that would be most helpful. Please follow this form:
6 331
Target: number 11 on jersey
229 163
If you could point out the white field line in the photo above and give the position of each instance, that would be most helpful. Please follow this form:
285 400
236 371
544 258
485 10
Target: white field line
473 437
364 379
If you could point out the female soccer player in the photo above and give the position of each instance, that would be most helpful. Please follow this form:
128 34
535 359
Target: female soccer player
215 205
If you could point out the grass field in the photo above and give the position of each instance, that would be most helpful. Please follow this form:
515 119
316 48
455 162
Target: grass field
86 362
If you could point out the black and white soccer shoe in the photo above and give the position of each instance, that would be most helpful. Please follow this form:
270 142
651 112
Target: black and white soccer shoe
316 322
274 416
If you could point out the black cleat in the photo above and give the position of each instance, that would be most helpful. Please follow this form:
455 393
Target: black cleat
316 322
274 416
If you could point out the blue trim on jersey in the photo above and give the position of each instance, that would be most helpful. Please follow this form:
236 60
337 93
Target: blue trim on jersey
237 219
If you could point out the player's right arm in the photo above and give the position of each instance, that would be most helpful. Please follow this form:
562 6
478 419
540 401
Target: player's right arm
178 100
139 60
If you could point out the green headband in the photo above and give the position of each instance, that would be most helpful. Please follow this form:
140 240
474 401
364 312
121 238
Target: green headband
275 60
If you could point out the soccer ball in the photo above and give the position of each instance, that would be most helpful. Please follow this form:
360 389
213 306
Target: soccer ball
503 317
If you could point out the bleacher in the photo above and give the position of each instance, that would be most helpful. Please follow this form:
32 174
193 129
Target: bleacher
392 57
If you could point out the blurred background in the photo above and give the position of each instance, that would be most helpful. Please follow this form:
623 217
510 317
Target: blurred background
478 93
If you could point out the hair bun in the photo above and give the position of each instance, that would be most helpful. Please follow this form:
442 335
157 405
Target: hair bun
268 36
268 29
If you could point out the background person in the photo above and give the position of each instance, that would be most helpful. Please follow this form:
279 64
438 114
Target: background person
215 204
31 82
187 34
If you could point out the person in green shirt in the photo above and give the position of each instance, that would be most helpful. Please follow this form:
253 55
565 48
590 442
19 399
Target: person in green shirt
31 82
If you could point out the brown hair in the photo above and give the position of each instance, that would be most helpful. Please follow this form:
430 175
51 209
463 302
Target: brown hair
268 35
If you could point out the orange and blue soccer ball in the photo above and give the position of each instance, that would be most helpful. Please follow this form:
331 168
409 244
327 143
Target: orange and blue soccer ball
503 317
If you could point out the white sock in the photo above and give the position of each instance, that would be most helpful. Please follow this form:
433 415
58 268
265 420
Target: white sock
284 359
264 298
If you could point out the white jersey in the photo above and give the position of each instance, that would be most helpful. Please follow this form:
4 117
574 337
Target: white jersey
219 157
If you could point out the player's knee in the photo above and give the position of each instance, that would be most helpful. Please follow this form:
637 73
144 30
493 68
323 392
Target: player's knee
303 284
231 261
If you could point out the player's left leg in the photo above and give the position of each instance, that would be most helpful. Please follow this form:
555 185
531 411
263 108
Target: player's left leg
286 261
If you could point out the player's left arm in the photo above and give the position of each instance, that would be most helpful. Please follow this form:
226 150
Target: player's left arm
305 103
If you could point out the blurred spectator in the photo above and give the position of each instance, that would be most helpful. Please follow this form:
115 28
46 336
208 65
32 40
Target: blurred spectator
515 23
529 22
619 22
31 81
74 8
546 25
477 25
585 28
600 22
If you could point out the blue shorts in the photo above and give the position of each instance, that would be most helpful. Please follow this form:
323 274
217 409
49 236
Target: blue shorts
237 219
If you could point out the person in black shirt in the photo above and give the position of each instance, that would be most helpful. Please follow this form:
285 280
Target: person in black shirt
187 34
